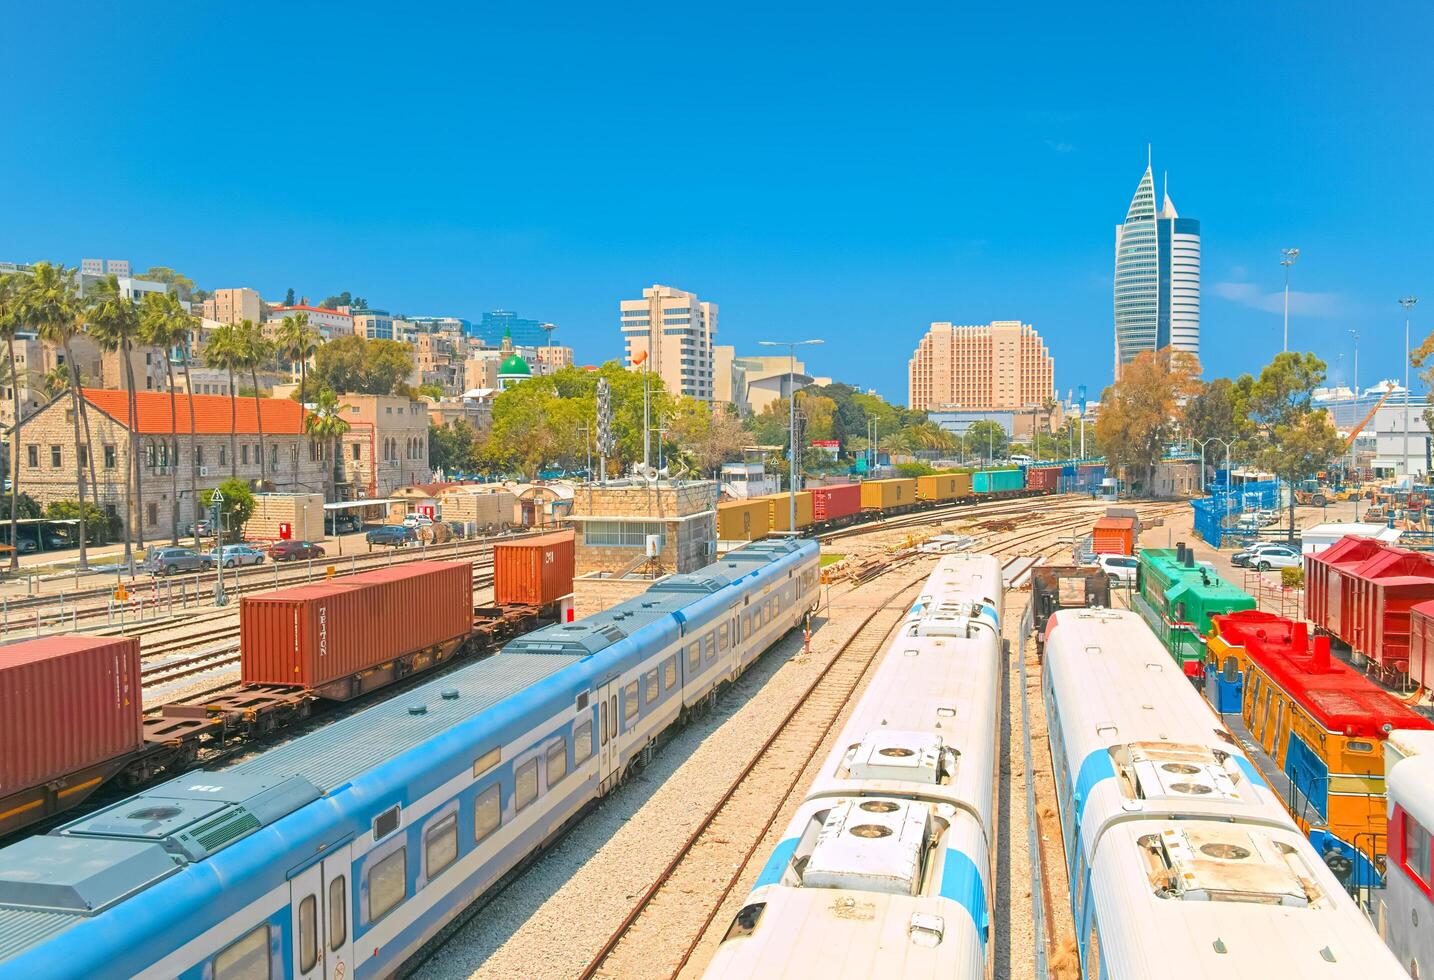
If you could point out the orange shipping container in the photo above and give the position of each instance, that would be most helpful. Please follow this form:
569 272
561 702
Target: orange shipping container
344 637
941 486
533 571
886 494
1114 536
779 510
743 520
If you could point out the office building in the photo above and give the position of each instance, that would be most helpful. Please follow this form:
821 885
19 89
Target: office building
373 324
525 332
751 384
233 306
554 358
675 329
1001 365
1157 278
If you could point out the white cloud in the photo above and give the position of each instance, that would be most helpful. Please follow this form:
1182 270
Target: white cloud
1301 303
1060 146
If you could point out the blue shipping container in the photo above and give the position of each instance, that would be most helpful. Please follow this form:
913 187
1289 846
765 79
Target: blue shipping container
998 481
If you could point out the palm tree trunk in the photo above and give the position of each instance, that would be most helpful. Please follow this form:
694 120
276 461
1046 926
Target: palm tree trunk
173 452
134 502
233 430
193 463
259 421
76 400
14 458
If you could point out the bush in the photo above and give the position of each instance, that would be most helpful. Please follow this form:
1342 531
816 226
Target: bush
237 508
1292 578
914 469
100 528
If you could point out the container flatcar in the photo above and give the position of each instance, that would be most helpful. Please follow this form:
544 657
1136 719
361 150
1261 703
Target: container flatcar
888 495
998 481
779 510
939 487
533 571
1045 479
1177 595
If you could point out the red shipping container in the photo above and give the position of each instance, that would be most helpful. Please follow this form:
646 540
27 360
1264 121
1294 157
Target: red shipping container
1043 479
533 571
1421 645
68 704
351 635
831 503
1113 536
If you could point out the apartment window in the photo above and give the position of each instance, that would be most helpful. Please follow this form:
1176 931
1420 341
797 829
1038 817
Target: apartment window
55 456
619 534
152 517
223 456
109 457
244 454
356 452
32 455
198 455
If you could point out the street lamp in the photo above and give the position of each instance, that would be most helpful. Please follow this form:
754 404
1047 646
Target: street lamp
1287 259
1408 304
791 346
1352 457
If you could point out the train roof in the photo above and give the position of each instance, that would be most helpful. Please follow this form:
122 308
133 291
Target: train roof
1198 578
1339 697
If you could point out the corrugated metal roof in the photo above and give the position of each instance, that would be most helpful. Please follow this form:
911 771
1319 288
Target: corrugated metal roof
347 749
213 414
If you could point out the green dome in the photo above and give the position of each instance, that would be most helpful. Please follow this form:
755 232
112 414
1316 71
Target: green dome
514 364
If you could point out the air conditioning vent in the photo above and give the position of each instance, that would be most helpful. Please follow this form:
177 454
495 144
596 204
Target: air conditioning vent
870 847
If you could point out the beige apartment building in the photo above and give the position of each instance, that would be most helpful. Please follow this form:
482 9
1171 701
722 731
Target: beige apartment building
1000 365
750 384
675 329
386 446
233 306
554 358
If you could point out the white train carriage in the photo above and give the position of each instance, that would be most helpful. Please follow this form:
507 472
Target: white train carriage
1404 908
886 868
1181 861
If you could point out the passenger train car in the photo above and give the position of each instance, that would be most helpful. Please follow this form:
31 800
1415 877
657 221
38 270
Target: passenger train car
886 869
340 853
1404 908
1181 862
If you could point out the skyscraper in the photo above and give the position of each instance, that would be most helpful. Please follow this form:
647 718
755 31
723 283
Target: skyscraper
1157 278
675 329
998 365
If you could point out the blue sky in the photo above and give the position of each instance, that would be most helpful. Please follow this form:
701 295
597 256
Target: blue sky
830 170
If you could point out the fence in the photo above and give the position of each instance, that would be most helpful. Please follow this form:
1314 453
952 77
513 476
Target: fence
1216 515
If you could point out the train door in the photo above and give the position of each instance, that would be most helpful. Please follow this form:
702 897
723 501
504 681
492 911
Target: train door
609 756
320 907
734 626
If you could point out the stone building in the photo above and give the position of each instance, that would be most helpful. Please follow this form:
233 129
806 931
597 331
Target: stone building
386 446
615 520
48 451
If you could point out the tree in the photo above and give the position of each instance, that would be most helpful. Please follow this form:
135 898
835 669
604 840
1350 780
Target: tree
56 381
985 438
289 296
1421 357
296 343
452 448
178 282
1289 437
706 436
429 390
165 323
224 351
11 320
113 321
236 508
327 424
362 366
254 350
1140 413
334 302
49 304
91 518
27 506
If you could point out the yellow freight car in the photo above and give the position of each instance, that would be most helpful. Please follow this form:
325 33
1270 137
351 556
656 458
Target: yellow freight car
779 510
743 520
943 486
888 494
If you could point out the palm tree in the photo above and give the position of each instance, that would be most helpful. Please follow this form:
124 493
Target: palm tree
165 323
326 423
48 301
114 322
255 349
56 381
297 341
222 350
10 321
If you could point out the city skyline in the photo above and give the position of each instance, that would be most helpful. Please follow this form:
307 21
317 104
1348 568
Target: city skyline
859 209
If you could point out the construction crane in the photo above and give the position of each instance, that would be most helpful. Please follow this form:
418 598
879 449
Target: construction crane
1354 433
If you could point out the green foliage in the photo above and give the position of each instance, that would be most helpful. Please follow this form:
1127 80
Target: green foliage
453 448
429 390
986 439
702 437
1292 578
179 284
289 296
913 469
334 302
1140 413
237 508
100 528
26 508
364 367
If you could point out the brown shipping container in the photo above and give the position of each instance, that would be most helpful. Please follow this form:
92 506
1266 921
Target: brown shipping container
743 520
886 494
1045 478
779 510
67 703
533 571
311 635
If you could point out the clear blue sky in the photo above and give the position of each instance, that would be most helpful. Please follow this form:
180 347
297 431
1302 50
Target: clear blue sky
833 170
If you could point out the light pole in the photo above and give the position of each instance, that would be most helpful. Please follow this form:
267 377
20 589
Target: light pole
791 346
1287 259
1408 304
1352 456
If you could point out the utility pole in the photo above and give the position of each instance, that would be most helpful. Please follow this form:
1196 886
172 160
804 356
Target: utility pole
1408 304
792 346
1288 256
604 426
1353 457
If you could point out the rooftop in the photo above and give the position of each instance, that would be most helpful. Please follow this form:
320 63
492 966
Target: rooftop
213 414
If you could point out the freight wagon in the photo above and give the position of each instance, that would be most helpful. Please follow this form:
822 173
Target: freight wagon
1002 482
836 504
742 520
888 495
779 510
1046 478
943 486
1361 592
1178 596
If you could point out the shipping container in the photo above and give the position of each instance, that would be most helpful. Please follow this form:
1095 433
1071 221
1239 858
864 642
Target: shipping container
835 502
1113 536
779 510
70 713
997 481
743 520
888 494
1046 478
347 636
483 508
941 486
533 571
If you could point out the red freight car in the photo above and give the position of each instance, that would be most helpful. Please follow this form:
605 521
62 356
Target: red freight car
1047 479
69 717
1329 585
343 638
533 571
835 502
1421 645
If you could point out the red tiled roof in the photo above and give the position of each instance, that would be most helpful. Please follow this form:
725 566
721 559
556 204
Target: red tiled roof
282 416
312 309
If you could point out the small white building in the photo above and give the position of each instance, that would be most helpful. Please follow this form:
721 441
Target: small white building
1321 536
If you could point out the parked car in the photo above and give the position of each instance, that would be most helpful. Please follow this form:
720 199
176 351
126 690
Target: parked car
391 536
347 524
417 520
1120 568
1267 518
294 550
170 561
1266 556
201 528
1243 556
234 554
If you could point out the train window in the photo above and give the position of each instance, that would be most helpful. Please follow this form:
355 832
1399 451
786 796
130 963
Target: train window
308 933
247 958
1416 849
629 702
694 656
525 789
582 743
387 884
440 845
338 912
602 722
386 822
650 682
557 762
669 673
722 637
709 645
1356 746
487 761
487 811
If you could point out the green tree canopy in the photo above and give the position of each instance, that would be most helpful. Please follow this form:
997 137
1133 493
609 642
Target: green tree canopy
361 366
237 508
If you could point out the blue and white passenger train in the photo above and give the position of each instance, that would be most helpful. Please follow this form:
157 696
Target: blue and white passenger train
886 869
1181 861
342 852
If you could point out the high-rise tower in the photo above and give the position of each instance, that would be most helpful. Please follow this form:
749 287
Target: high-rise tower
1157 277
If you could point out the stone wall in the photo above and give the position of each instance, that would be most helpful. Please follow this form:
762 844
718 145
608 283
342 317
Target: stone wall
591 595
